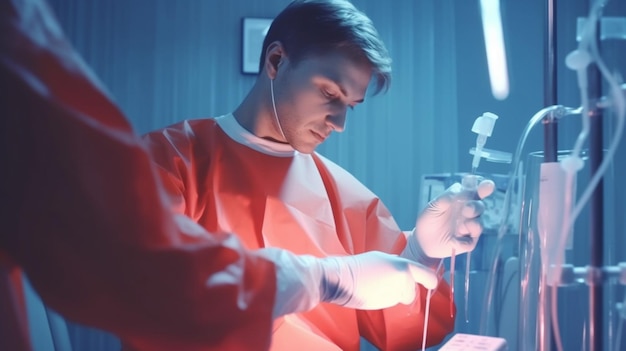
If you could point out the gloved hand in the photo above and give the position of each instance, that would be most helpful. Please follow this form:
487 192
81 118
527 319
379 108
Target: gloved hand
371 280
449 222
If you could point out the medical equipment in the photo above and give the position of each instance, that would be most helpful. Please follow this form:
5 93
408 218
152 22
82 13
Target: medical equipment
427 311
507 203
471 183
483 126
528 303
448 225
587 53
538 313
426 318
431 186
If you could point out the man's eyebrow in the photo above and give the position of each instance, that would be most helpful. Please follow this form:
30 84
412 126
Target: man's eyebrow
329 81
343 91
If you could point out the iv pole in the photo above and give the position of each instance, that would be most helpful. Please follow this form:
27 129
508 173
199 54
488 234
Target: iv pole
550 97
596 263
550 139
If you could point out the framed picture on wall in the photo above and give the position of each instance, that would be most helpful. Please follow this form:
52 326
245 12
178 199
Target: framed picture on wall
254 31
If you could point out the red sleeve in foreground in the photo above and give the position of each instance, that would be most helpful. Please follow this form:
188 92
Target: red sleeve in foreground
85 216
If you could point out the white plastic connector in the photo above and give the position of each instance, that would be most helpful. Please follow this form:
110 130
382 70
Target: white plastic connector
485 123
578 59
483 126
496 156
572 164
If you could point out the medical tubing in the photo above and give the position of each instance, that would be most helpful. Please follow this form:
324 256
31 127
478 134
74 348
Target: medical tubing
583 200
620 325
587 41
558 111
617 101
617 98
427 311
470 182
481 140
556 331
581 75
452 265
467 278
280 128
619 106
426 315
584 133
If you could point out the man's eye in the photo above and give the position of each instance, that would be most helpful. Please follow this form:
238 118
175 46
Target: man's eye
328 94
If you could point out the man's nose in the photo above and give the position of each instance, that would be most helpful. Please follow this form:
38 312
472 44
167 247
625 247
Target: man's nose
338 120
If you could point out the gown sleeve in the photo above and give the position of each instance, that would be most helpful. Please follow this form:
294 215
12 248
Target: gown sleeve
86 217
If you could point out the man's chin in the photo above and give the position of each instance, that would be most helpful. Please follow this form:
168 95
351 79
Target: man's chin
305 149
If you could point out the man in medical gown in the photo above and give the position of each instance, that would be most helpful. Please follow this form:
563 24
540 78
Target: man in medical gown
255 172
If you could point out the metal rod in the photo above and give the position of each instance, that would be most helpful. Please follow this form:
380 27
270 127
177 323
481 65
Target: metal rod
550 125
550 81
550 154
596 146
550 138
596 212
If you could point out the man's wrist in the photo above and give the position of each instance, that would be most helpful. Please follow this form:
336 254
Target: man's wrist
414 252
331 289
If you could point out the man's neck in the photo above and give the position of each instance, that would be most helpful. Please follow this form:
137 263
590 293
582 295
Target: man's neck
255 115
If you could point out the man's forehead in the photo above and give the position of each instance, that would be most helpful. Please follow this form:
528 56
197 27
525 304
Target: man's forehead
351 75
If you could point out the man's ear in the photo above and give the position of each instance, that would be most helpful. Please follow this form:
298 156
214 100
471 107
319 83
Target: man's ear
274 55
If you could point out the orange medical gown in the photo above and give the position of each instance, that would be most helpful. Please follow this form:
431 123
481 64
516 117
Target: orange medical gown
83 213
227 179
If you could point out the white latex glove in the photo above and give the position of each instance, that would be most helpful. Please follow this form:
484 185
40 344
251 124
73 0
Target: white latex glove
449 222
373 280
369 281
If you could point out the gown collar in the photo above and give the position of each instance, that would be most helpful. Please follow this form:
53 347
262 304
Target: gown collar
235 131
